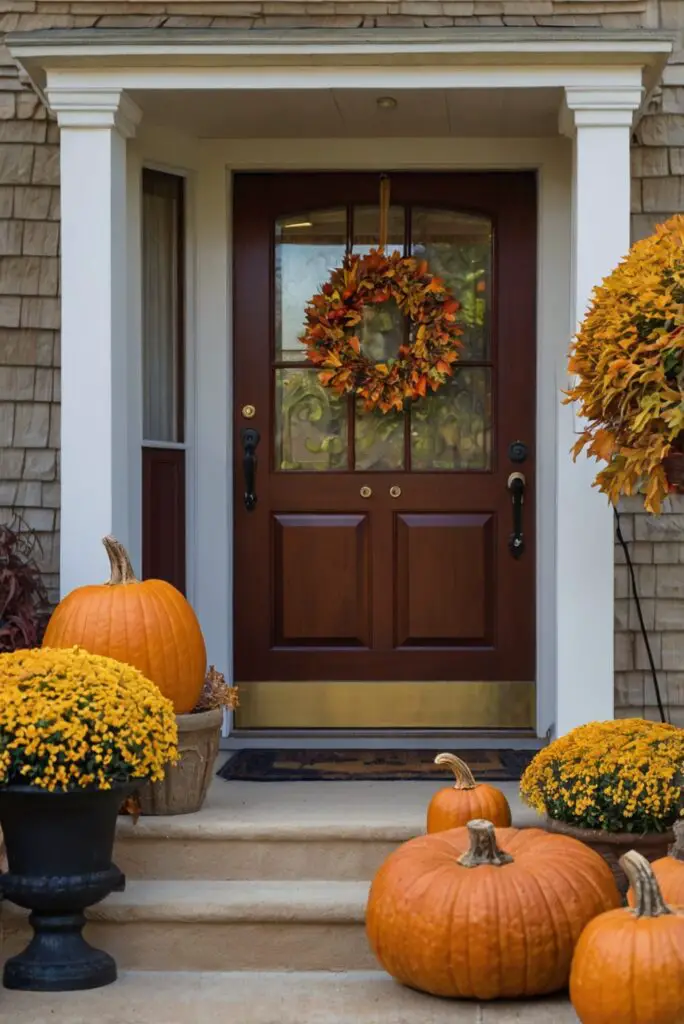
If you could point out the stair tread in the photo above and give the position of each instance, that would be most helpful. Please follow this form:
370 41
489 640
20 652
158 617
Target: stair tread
259 901
302 811
319 997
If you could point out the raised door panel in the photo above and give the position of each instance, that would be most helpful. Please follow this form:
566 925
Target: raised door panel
445 580
321 580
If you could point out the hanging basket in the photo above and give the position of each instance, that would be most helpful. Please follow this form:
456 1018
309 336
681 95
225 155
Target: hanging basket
673 464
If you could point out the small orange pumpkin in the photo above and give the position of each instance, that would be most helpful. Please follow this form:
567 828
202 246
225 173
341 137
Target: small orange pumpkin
628 967
669 871
455 914
456 805
146 624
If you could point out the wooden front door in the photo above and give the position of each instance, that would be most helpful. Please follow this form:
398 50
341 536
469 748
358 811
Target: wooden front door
375 581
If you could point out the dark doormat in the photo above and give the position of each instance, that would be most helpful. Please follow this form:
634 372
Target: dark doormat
369 765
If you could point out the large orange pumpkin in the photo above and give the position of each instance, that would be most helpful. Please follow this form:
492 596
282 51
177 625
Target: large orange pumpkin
629 964
146 624
456 805
669 871
455 914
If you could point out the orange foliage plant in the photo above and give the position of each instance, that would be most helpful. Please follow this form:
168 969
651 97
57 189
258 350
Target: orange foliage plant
628 362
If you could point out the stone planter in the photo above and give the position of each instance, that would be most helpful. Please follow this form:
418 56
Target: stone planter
185 785
612 845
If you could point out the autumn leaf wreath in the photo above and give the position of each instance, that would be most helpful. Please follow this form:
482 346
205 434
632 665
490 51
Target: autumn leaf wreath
333 316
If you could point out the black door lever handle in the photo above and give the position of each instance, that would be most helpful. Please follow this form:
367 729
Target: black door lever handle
516 486
250 438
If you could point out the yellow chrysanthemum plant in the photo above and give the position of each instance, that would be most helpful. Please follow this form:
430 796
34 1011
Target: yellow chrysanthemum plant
72 720
628 367
617 776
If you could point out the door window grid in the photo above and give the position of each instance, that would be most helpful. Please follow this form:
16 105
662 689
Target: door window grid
449 430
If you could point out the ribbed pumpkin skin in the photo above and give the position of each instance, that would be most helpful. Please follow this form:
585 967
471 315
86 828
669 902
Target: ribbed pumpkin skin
670 875
453 808
630 970
147 624
486 932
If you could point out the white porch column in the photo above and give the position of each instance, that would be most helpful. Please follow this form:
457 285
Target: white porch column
600 123
95 456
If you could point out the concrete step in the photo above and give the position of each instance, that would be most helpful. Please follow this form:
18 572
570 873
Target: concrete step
262 998
284 831
217 926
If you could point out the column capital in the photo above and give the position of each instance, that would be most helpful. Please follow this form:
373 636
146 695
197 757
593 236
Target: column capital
599 107
94 108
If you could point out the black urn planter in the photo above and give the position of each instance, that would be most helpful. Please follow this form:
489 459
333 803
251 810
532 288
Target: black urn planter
59 852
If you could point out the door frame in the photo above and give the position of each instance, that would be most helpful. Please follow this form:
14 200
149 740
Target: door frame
211 165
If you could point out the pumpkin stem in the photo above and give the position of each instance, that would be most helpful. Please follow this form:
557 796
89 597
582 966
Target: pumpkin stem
462 773
677 848
484 848
648 899
120 563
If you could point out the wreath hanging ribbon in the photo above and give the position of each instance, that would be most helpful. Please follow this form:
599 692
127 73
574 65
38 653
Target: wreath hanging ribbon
333 316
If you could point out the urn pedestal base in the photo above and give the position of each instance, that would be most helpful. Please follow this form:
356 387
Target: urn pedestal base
58 958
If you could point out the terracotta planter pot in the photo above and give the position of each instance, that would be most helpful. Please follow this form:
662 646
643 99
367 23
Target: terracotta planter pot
612 845
184 788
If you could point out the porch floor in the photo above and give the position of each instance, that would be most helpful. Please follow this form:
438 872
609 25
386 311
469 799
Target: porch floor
256 998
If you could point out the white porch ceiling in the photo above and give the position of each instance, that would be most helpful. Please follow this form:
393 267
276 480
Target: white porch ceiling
354 113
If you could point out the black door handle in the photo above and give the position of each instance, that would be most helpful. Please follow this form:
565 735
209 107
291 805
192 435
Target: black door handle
516 486
250 439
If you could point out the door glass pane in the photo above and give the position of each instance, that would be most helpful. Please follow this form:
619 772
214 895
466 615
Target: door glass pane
307 248
378 439
311 423
457 247
367 228
162 335
451 429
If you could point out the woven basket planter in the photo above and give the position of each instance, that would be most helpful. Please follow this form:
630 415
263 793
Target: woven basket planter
184 788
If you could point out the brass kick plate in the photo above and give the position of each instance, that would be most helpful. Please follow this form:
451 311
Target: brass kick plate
386 705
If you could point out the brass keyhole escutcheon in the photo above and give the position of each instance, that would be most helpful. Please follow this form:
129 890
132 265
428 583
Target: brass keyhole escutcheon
365 492
395 492
248 412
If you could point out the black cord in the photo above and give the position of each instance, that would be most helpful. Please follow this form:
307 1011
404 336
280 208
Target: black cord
642 624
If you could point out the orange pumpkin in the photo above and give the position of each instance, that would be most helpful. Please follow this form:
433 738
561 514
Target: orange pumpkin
455 914
146 624
456 805
669 871
629 964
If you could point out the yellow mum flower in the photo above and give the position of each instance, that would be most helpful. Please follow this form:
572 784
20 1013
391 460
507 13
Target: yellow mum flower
70 719
621 776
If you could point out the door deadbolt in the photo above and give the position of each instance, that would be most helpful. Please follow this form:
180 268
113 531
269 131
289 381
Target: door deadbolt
365 492
248 412
395 492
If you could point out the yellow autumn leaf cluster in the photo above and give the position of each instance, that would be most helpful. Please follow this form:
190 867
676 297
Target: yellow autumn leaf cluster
628 358
72 720
621 776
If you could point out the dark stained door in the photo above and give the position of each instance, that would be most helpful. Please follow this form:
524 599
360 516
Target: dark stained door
378 550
